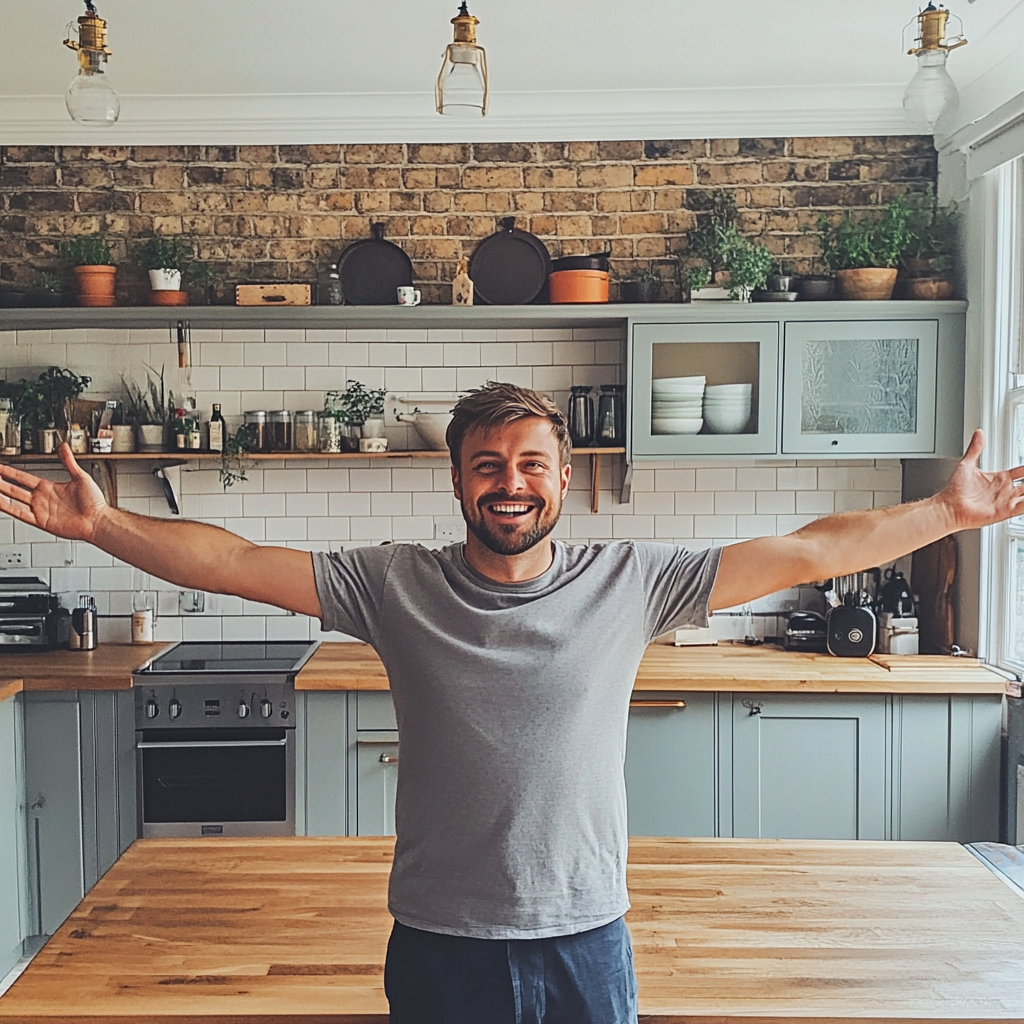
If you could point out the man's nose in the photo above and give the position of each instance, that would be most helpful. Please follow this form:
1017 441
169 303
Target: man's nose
511 480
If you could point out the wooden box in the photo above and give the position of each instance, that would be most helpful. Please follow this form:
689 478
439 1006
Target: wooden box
273 295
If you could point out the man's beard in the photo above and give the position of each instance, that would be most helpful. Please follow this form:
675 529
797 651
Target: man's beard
511 538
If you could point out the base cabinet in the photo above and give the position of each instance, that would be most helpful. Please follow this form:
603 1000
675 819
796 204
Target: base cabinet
322 764
13 881
670 765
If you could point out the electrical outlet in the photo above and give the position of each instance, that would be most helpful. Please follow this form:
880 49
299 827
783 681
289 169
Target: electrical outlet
15 556
449 528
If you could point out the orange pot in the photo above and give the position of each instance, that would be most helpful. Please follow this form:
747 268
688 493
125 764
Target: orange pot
168 297
866 283
95 285
929 288
579 286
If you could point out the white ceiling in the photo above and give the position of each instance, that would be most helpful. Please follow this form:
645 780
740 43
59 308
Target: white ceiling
341 70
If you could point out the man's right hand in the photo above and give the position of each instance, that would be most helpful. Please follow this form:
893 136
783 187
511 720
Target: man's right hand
70 510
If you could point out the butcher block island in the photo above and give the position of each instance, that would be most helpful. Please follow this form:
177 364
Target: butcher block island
251 931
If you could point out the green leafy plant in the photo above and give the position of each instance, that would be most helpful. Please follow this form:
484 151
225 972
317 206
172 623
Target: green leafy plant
60 388
749 266
933 230
203 277
47 281
166 252
87 251
356 404
644 275
29 402
234 456
152 406
856 243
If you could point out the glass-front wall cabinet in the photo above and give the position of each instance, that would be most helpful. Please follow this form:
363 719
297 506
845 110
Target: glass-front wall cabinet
704 389
859 387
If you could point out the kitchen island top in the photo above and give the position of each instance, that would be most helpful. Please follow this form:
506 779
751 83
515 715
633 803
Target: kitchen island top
355 666
724 930
109 667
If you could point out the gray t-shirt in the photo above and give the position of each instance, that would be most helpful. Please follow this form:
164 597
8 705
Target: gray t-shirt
512 701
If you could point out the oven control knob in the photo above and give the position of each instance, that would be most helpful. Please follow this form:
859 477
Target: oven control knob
174 708
152 708
266 708
243 709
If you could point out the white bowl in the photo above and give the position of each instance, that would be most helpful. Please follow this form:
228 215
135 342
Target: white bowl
742 404
726 422
678 403
431 426
676 381
728 389
676 426
669 387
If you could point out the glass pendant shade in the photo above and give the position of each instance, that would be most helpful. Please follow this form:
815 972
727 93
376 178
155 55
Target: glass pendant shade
461 87
931 97
91 101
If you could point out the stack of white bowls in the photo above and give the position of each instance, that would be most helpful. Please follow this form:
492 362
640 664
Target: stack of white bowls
676 405
727 408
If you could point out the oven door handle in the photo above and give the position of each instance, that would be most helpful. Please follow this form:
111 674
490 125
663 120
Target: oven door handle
171 745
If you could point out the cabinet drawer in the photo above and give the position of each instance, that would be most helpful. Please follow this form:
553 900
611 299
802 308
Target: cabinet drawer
375 712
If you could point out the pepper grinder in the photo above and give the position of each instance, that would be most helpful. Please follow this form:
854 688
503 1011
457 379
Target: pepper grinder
82 636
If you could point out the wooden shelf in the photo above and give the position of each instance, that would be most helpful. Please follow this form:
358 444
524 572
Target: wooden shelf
110 462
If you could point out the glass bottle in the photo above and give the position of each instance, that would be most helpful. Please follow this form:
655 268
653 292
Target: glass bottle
611 416
193 431
581 415
216 429
180 429
328 287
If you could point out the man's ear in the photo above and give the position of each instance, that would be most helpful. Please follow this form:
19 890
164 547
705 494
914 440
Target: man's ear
566 474
456 484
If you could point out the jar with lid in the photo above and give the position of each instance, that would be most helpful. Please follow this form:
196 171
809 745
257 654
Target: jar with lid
328 430
581 416
78 439
611 416
281 430
328 287
304 432
255 420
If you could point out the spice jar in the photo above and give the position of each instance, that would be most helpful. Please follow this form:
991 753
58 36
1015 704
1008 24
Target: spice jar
281 430
304 433
256 421
78 440
328 433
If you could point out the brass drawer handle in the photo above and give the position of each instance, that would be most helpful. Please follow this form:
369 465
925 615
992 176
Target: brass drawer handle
657 703
388 759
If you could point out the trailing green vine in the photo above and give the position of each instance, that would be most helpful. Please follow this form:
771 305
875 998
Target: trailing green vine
234 457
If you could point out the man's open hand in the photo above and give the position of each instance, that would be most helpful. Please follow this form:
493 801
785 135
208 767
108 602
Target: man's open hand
71 510
974 498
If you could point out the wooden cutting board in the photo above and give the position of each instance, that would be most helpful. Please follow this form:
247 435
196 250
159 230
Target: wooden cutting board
729 931
933 576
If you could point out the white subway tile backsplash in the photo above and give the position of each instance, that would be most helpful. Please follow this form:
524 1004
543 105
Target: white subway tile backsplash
274 353
714 526
285 529
797 478
387 354
307 504
348 504
734 503
777 503
695 502
716 479
241 378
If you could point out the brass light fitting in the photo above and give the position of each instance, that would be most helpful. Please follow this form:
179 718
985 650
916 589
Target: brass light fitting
91 43
931 24
462 85
931 97
90 99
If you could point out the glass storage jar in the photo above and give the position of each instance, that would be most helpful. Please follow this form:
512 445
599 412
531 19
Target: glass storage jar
328 431
611 416
581 416
281 430
256 421
304 433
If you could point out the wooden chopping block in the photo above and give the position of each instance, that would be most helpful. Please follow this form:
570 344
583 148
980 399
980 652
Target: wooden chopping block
933 574
273 295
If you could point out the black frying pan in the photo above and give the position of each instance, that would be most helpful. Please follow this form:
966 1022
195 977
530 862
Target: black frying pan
510 267
372 269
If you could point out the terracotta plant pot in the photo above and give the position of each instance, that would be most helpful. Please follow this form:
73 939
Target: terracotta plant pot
928 288
867 283
95 285
166 297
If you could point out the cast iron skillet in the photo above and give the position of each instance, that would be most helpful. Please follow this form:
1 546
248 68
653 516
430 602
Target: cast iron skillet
510 267
372 269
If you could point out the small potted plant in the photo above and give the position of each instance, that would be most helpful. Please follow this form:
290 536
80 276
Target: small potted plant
94 269
165 257
863 251
927 261
642 285
202 279
150 411
29 407
359 409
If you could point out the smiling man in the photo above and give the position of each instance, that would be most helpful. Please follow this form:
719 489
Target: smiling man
511 659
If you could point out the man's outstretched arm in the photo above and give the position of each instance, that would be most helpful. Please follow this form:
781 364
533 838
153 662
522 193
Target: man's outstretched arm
852 541
187 554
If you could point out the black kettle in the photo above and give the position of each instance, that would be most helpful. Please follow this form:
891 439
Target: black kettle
895 595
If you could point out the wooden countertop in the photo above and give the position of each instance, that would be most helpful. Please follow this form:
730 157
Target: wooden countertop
355 666
109 667
729 931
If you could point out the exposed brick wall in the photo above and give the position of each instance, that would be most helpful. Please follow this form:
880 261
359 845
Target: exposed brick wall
264 213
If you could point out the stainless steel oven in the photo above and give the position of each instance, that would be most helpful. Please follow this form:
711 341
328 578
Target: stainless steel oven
215 739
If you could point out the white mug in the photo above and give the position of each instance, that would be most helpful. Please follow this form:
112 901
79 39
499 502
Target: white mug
408 296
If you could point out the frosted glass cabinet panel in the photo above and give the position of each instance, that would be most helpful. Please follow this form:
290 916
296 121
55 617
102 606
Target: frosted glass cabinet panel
704 389
859 387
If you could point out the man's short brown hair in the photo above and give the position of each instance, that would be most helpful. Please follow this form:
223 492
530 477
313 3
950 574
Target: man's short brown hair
497 403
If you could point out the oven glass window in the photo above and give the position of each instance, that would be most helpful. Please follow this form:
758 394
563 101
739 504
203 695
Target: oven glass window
240 778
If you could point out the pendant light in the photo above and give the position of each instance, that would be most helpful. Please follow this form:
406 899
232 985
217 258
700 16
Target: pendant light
89 98
931 97
462 87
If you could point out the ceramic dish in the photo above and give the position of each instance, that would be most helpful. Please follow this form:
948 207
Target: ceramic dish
676 426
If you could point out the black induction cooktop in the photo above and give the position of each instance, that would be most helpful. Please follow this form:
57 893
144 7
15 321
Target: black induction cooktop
207 657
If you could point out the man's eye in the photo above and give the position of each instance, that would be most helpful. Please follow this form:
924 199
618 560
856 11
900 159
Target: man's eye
485 466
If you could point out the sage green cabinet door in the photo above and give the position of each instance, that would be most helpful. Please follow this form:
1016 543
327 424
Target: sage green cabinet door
670 765
809 767
946 768
53 787
376 784
323 764
12 805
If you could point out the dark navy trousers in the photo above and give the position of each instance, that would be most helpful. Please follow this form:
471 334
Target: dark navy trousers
585 978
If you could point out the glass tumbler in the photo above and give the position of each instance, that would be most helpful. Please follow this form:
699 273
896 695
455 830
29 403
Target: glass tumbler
581 416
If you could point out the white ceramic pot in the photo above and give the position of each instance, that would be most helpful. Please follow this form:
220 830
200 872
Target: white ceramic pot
373 427
151 437
165 280
124 438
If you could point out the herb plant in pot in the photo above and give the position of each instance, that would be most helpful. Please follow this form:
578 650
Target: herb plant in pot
642 285
94 270
927 261
150 410
360 410
165 257
863 251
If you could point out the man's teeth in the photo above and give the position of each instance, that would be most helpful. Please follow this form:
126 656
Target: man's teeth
511 509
